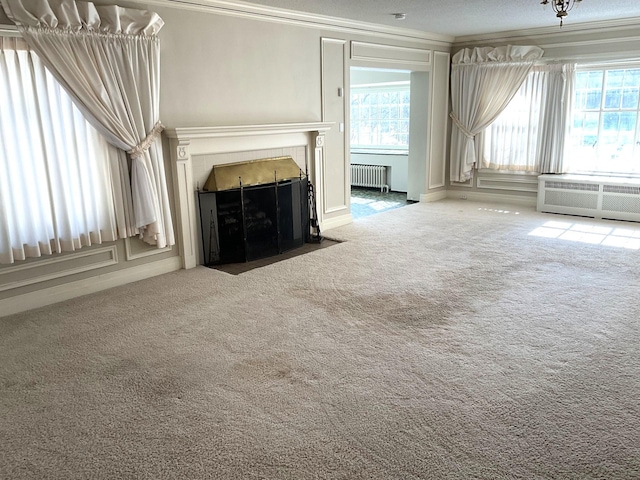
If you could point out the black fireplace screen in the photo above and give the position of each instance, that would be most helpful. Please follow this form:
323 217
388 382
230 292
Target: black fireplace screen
253 222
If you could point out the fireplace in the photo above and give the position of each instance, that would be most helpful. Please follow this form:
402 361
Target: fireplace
195 150
252 210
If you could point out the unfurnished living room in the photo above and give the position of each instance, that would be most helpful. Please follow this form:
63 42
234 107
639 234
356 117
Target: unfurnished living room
187 289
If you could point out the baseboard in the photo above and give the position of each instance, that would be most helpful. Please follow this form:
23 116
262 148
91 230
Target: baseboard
493 197
433 197
59 293
336 222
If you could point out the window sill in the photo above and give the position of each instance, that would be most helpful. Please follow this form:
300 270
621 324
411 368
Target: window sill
379 151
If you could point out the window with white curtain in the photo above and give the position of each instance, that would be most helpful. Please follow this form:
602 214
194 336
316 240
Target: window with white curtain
55 178
605 134
380 116
604 124
530 134
510 142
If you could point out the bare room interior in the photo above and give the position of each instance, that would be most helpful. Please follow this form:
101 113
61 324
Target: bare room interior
289 239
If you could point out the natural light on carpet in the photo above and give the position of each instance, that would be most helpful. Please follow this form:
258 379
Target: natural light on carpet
498 210
375 204
593 234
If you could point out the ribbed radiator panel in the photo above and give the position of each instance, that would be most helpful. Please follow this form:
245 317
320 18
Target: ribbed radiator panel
374 176
619 203
587 187
570 199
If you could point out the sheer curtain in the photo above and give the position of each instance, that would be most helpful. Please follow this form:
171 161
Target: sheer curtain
483 81
52 198
556 118
529 135
108 60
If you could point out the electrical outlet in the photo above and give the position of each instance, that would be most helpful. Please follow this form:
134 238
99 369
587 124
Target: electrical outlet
463 197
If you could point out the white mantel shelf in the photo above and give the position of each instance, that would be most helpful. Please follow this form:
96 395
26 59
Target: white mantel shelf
184 133
189 142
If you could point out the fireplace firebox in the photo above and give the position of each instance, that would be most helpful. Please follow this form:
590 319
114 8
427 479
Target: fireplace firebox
244 217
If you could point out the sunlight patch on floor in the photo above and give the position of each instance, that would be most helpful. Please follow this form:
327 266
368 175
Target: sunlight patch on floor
594 234
498 210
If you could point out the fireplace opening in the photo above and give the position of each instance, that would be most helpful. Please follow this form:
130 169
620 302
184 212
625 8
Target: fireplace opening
253 210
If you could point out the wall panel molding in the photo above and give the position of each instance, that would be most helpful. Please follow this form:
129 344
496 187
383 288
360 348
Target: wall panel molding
374 52
48 296
131 254
439 120
58 267
513 182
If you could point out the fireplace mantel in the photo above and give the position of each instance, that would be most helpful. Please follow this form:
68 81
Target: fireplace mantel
187 143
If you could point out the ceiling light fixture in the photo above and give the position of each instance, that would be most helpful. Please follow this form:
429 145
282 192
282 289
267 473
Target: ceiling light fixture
561 7
399 16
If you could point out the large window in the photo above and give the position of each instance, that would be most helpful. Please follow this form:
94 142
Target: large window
604 124
380 116
605 128
55 180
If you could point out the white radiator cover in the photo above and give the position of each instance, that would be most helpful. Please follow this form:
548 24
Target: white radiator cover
590 196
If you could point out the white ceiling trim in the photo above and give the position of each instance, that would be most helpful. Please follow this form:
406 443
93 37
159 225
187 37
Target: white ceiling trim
272 14
536 33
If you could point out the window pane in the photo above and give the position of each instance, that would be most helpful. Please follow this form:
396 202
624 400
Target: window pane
630 98
613 98
385 121
614 78
594 98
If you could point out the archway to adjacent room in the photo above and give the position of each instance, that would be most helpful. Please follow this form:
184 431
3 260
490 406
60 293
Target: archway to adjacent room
381 118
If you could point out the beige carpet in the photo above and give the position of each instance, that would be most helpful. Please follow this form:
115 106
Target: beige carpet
439 341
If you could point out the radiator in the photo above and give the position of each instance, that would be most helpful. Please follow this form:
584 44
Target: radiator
598 197
369 176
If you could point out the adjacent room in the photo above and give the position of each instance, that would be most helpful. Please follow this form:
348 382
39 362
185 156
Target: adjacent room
287 239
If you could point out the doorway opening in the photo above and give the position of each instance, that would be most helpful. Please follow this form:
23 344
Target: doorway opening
380 114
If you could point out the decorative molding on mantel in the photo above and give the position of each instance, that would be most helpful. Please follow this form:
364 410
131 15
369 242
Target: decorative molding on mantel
184 133
534 34
279 15
187 142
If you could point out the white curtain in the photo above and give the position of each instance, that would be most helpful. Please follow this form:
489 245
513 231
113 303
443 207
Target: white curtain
555 118
529 135
55 175
108 60
483 81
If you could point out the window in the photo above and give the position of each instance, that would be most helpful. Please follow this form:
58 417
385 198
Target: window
510 142
605 129
55 180
380 116
529 134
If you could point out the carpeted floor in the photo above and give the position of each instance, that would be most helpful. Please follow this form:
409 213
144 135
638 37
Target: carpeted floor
448 340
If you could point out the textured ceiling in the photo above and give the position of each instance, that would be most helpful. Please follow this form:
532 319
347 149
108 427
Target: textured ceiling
460 17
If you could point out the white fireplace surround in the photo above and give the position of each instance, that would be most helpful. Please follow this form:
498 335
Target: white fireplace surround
195 150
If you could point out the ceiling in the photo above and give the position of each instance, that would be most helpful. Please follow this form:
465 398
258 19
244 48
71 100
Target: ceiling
460 17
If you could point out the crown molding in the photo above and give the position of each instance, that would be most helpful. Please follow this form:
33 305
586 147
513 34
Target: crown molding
240 9
534 34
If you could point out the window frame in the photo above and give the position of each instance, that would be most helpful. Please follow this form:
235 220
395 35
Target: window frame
401 87
604 67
